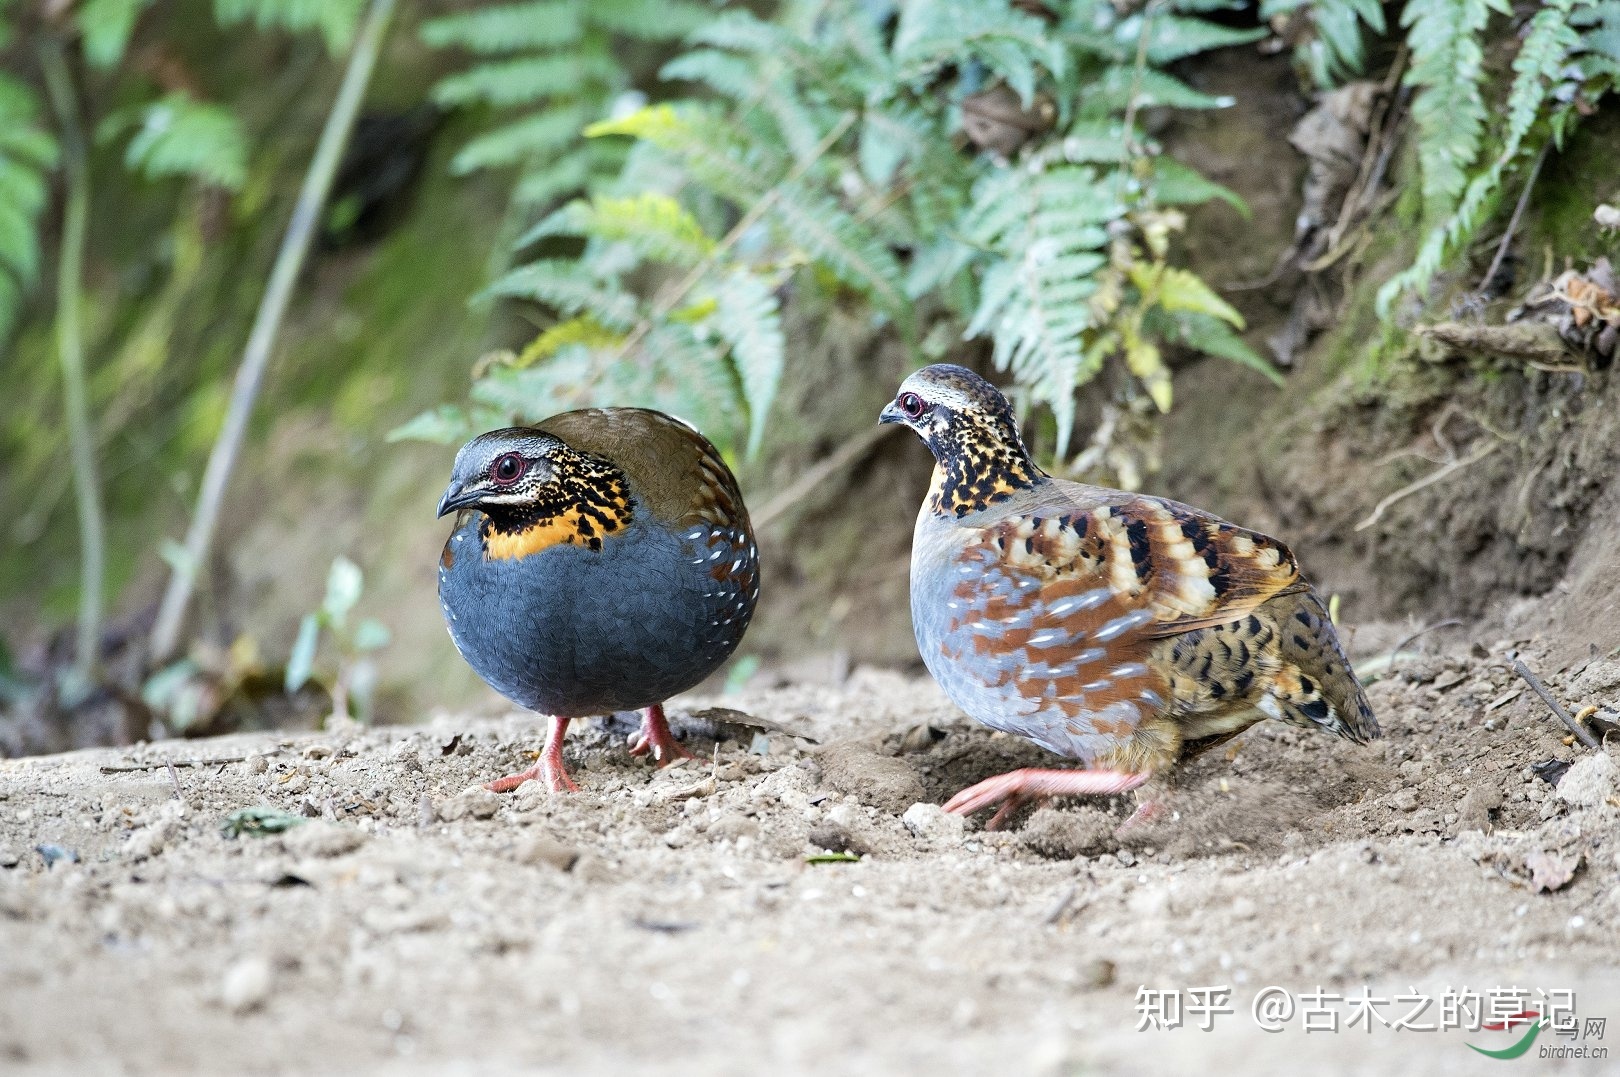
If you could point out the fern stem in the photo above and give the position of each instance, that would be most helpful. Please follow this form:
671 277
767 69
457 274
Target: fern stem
747 221
266 323
70 351
1513 222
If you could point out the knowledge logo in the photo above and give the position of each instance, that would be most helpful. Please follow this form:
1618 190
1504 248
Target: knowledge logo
1525 1042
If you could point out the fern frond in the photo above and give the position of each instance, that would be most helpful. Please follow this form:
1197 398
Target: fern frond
749 318
335 19
821 228
1050 229
1013 44
1173 37
583 330
181 136
648 20
558 284
27 154
1537 69
1448 108
515 143
655 225
521 81
106 26
502 28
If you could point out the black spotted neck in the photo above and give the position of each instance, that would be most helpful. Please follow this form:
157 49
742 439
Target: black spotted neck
587 500
981 461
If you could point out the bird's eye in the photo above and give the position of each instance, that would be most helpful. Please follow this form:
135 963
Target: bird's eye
508 469
911 404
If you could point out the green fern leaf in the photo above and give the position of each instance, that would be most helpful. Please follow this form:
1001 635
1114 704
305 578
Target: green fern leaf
106 25
501 28
820 227
521 81
648 20
655 225
749 319
335 19
933 34
561 285
1050 229
514 143
181 136
1448 108
1171 38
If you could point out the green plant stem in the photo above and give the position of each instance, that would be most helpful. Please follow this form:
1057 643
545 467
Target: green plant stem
70 351
272 308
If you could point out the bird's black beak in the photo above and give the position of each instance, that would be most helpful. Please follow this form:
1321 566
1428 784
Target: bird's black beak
456 498
891 414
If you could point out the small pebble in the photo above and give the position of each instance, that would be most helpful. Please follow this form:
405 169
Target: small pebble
247 984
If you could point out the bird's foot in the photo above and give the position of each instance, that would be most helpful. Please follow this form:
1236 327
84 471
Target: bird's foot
655 739
1016 788
548 768
1149 811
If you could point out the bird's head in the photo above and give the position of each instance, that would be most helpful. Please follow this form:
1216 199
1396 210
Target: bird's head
971 430
536 491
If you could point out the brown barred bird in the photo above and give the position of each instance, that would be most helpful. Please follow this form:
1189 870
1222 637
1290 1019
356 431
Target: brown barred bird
1126 632
603 561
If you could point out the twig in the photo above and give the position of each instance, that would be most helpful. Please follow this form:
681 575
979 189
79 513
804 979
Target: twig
1547 697
132 768
849 454
668 302
1513 221
1384 665
266 323
174 776
70 350
1428 480
1061 905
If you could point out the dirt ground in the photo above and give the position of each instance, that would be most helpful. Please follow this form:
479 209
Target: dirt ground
799 904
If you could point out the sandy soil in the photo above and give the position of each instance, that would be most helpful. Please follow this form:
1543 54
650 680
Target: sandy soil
690 920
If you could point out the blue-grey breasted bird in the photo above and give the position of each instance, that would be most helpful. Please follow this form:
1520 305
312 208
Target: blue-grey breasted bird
1123 631
603 561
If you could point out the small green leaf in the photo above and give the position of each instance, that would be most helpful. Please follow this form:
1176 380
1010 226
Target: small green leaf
301 662
370 634
258 822
1181 289
343 585
833 858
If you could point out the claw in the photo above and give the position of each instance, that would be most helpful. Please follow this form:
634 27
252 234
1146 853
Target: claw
1016 788
655 738
548 768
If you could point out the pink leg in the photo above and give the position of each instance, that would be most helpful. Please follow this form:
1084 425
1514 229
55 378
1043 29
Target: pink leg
1019 787
548 768
655 738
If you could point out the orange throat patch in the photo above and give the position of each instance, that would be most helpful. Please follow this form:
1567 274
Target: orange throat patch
574 525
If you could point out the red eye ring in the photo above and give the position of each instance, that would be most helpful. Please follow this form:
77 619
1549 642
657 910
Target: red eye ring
507 469
911 404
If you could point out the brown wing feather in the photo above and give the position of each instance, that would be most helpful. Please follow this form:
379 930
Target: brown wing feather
678 472
1190 569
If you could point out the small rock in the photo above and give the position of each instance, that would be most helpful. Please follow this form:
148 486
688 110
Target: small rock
257 764
477 802
1551 871
321 838
1099 972
543 849
733 827
1589 782
1405 800
836 839
247 984
1477 805
1244 909
933 823
879 780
